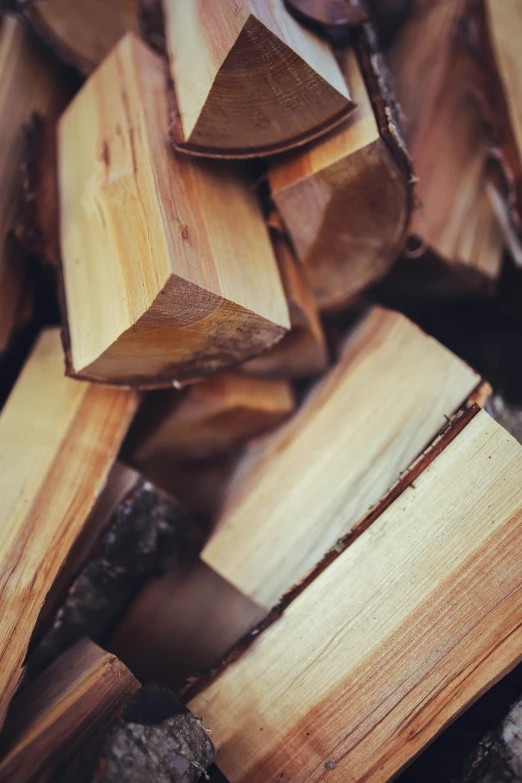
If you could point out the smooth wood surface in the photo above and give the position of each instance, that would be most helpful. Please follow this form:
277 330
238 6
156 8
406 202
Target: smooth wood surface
344 202
310 482
448 143
412 623
248 79
56 715
58 440
27 84
168 267
83 32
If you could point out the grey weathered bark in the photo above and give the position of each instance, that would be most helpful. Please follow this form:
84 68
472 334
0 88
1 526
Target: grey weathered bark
498 756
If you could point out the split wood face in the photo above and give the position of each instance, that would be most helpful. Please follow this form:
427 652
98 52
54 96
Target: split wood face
248 79
393 640
167 264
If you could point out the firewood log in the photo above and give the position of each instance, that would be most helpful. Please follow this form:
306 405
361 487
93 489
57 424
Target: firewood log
58 440
394 638
248 79
346 199
83 32
167 265
498 756
53 718
311 481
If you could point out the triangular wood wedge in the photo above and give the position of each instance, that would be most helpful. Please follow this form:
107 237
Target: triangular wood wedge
58 440
311 481
248 79
167 264
394 639
52 719
345 200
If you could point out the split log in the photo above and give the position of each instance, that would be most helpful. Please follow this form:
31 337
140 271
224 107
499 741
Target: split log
168 268
28 84
83 32
391 641
498 756
58 440
156 738
133 539
53 718
303 351
181 624
329 14
292 498
248 79
346 199
435 77
208 419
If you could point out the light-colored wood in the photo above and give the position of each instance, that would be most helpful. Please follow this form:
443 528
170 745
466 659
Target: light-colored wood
412 623
207 419
310 482
344 202
248 79
56 715
303 351
82 33
27 84
447 141
58 440
182 623
168 267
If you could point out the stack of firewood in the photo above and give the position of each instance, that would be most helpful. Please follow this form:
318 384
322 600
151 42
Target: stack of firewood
258 520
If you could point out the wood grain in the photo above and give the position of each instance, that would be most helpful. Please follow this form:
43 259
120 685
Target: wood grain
391 642
248 79
56 715
168 267
309 483
58 440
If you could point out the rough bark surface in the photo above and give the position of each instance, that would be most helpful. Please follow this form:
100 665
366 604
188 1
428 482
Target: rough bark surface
498 756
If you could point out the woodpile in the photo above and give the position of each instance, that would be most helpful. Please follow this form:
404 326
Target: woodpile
260 388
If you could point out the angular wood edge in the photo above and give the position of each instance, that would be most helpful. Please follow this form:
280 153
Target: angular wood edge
64 53
454 425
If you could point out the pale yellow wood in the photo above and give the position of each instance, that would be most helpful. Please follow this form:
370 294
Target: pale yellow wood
418 617
58 440
27 84
168 266
65 706
344 202
311 481
248 77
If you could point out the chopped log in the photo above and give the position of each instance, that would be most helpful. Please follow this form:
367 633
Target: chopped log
58 440
248 79
28 84
83 32
142 538
168 269
498 756
156 738
394 639
329 13
206 420
346 199
446 137
181 624
292 498
53 718
303 351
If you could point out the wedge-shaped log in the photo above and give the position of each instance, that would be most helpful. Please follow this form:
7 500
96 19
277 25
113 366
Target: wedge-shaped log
310 482
303 351
58 440
82 33
168 268
394 639
345 201
27 84
448 144
55 716
248 79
